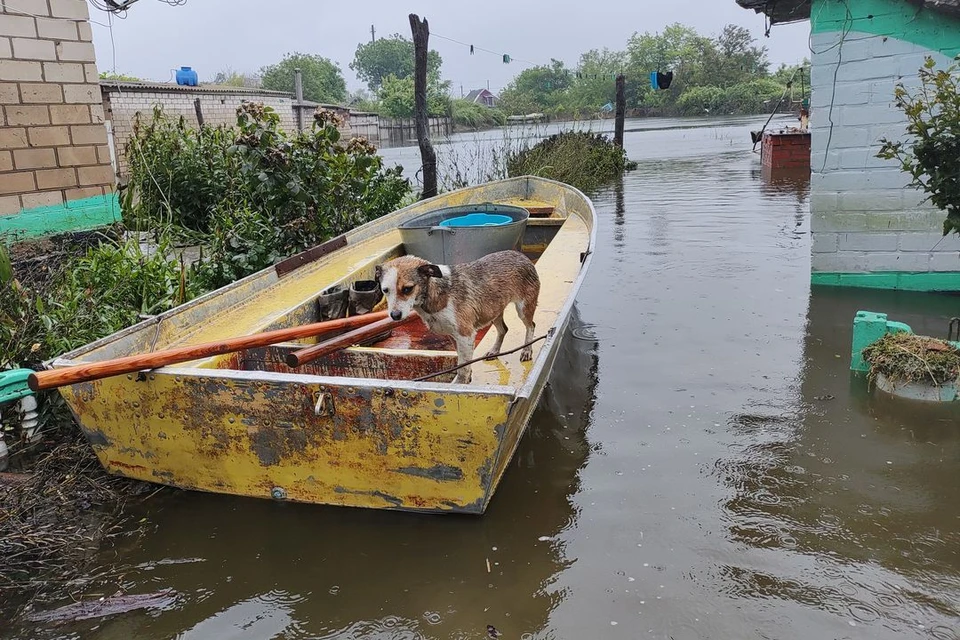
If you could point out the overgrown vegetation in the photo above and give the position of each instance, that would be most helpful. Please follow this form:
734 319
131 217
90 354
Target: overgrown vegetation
470 115
583 159
931 154
254 192
906 357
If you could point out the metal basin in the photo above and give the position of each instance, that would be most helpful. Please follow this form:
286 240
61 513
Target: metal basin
454 235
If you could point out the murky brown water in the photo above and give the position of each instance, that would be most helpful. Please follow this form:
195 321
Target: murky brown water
703 465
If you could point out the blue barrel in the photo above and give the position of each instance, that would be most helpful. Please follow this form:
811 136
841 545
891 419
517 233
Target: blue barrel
187 76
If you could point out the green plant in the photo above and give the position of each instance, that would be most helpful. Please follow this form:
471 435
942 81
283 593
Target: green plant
322 79
931 155
579 158
255 193
475 116
397 101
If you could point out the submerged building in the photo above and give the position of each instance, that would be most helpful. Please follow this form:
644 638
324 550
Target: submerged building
869 228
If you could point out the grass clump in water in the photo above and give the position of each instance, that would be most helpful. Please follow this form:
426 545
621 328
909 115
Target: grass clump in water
906 357
582 159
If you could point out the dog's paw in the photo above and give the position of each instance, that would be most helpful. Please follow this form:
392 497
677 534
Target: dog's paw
526 354
491 353
463 378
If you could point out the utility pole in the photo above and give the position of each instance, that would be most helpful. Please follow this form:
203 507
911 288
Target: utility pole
373 33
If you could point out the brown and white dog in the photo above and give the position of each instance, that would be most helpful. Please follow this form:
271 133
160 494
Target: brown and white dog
460 300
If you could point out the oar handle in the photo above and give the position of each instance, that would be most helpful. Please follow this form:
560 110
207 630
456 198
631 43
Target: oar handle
311 353
54 378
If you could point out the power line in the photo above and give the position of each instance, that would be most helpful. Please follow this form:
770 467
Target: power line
504 56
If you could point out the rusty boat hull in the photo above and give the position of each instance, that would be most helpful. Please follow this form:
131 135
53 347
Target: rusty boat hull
353 428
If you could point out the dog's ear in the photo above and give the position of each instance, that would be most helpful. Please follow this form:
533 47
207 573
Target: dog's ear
429 271
378 273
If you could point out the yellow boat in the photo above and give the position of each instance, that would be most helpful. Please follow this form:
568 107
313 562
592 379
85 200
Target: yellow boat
353 428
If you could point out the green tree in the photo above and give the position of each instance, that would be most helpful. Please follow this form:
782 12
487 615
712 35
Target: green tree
393 56
594 83
322 79
397 100
738 59
931 153
542 88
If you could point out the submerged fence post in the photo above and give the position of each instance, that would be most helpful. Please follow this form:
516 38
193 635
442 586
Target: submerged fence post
428 157
621 112
298 93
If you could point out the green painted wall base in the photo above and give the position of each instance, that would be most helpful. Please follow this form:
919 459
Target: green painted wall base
942 281
75 215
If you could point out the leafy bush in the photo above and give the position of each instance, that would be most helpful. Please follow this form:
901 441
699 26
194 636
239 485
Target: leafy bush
699 100
90 296
584 160
397 99
475 116
932 155
255 192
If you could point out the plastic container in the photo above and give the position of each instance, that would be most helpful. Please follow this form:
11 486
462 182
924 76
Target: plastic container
477 220
454 235
187 76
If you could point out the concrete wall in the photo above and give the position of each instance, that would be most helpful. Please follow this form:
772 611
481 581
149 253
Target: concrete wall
868 227
55 170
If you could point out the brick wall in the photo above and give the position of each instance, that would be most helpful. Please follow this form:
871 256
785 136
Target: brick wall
123 100
53 142
864 218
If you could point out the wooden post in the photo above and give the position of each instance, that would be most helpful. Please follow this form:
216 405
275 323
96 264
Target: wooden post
196 106
621 112
298 93
428 157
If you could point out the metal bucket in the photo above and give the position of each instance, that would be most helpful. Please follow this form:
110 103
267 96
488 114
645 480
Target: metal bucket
442 239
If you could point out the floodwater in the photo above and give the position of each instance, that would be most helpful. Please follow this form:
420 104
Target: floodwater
702 465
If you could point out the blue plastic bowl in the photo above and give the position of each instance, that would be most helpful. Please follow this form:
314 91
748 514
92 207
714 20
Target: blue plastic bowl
477 220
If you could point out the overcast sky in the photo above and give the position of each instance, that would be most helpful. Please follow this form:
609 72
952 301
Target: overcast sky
243 35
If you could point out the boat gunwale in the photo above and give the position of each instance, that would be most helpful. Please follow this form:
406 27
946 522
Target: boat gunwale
360 234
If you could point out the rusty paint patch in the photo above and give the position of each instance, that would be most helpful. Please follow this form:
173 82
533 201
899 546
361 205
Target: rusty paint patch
438 472
133 468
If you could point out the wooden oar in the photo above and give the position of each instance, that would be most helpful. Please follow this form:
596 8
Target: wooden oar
54 378
311 353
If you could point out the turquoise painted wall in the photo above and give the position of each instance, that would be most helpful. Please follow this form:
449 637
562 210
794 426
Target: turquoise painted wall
75 215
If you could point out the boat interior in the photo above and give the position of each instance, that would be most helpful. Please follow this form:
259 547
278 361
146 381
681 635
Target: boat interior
553 239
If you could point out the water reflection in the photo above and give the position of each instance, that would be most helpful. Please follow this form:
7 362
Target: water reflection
258 569
856 489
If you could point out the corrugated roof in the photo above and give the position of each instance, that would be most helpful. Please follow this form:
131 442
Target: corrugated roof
127 85
792 10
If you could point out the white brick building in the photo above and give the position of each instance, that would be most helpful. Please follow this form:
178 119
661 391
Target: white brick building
870 229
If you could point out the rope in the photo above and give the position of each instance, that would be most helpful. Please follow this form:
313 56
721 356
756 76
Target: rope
492 356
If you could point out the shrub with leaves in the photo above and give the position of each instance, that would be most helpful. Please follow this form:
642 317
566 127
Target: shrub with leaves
582 159
931 153
255 192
